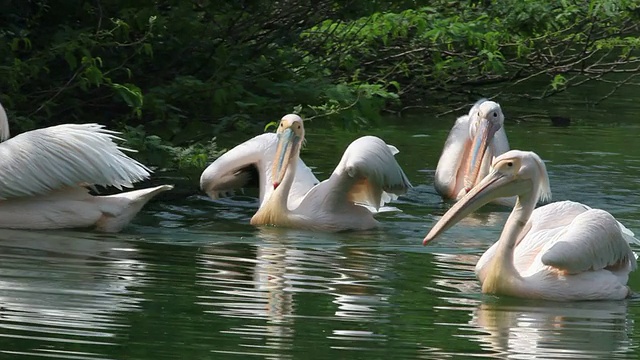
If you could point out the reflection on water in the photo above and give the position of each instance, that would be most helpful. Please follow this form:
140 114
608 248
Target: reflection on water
272 285
457 252
58 291
250 285
584 330
192 279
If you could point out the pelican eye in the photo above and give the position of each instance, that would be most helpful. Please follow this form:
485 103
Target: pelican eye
495 114
509 164
298 126
281 124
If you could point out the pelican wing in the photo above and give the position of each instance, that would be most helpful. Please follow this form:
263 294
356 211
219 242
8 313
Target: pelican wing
594 240
543 228
249 165
43 160
452 158
368 174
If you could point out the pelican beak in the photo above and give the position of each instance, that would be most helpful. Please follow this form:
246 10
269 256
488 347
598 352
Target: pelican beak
482 139
494 185
287 143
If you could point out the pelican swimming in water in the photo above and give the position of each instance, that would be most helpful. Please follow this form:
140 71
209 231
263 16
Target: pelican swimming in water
44 174
249 165
473 142
366 177
562 251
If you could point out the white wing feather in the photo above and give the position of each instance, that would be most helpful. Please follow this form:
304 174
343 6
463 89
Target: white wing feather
43 160
228 172
547 225
592 241
627 234
452 157
368 174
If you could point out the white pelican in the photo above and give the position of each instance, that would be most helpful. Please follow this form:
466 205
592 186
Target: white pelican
562 251
367 175
44 173
249 165
471 145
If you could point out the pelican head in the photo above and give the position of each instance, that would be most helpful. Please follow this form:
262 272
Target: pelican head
290 136
486 119
514 173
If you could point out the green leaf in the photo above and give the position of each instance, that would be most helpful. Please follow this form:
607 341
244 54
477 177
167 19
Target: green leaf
93 75
270 125
130 93
70 58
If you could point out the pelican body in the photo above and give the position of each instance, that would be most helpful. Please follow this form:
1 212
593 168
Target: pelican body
366 178
473 142
45 172
563 251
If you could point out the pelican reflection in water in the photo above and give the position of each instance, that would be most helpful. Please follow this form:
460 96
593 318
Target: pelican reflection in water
268 286
549 330
69 288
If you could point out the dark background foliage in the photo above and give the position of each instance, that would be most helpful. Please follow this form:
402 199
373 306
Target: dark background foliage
172 75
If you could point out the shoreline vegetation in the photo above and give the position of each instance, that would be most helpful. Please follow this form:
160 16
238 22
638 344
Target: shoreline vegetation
173 75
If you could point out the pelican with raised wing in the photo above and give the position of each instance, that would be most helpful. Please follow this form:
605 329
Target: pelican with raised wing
45 172
366 177
249 165
471 145
562 251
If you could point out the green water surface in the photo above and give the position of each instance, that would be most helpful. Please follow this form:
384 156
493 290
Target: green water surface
191 279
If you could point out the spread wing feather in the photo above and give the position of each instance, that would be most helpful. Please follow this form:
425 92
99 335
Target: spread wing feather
231 171
368 174
43 160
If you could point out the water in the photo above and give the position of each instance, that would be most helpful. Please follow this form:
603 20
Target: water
190 279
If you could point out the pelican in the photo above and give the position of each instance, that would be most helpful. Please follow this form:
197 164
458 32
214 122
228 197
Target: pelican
562 251
249 165
44 174
471 145
366 177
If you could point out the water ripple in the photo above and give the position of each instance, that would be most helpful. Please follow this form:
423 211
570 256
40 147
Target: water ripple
65 291
540 330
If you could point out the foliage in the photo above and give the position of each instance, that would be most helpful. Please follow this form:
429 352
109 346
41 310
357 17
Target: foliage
185 71
472 48
154 150
175 73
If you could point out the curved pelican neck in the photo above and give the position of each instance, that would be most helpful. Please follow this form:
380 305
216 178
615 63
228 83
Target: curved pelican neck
280 195
502 273
274 210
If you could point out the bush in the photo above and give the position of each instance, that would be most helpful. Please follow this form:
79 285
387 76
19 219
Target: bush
174 74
